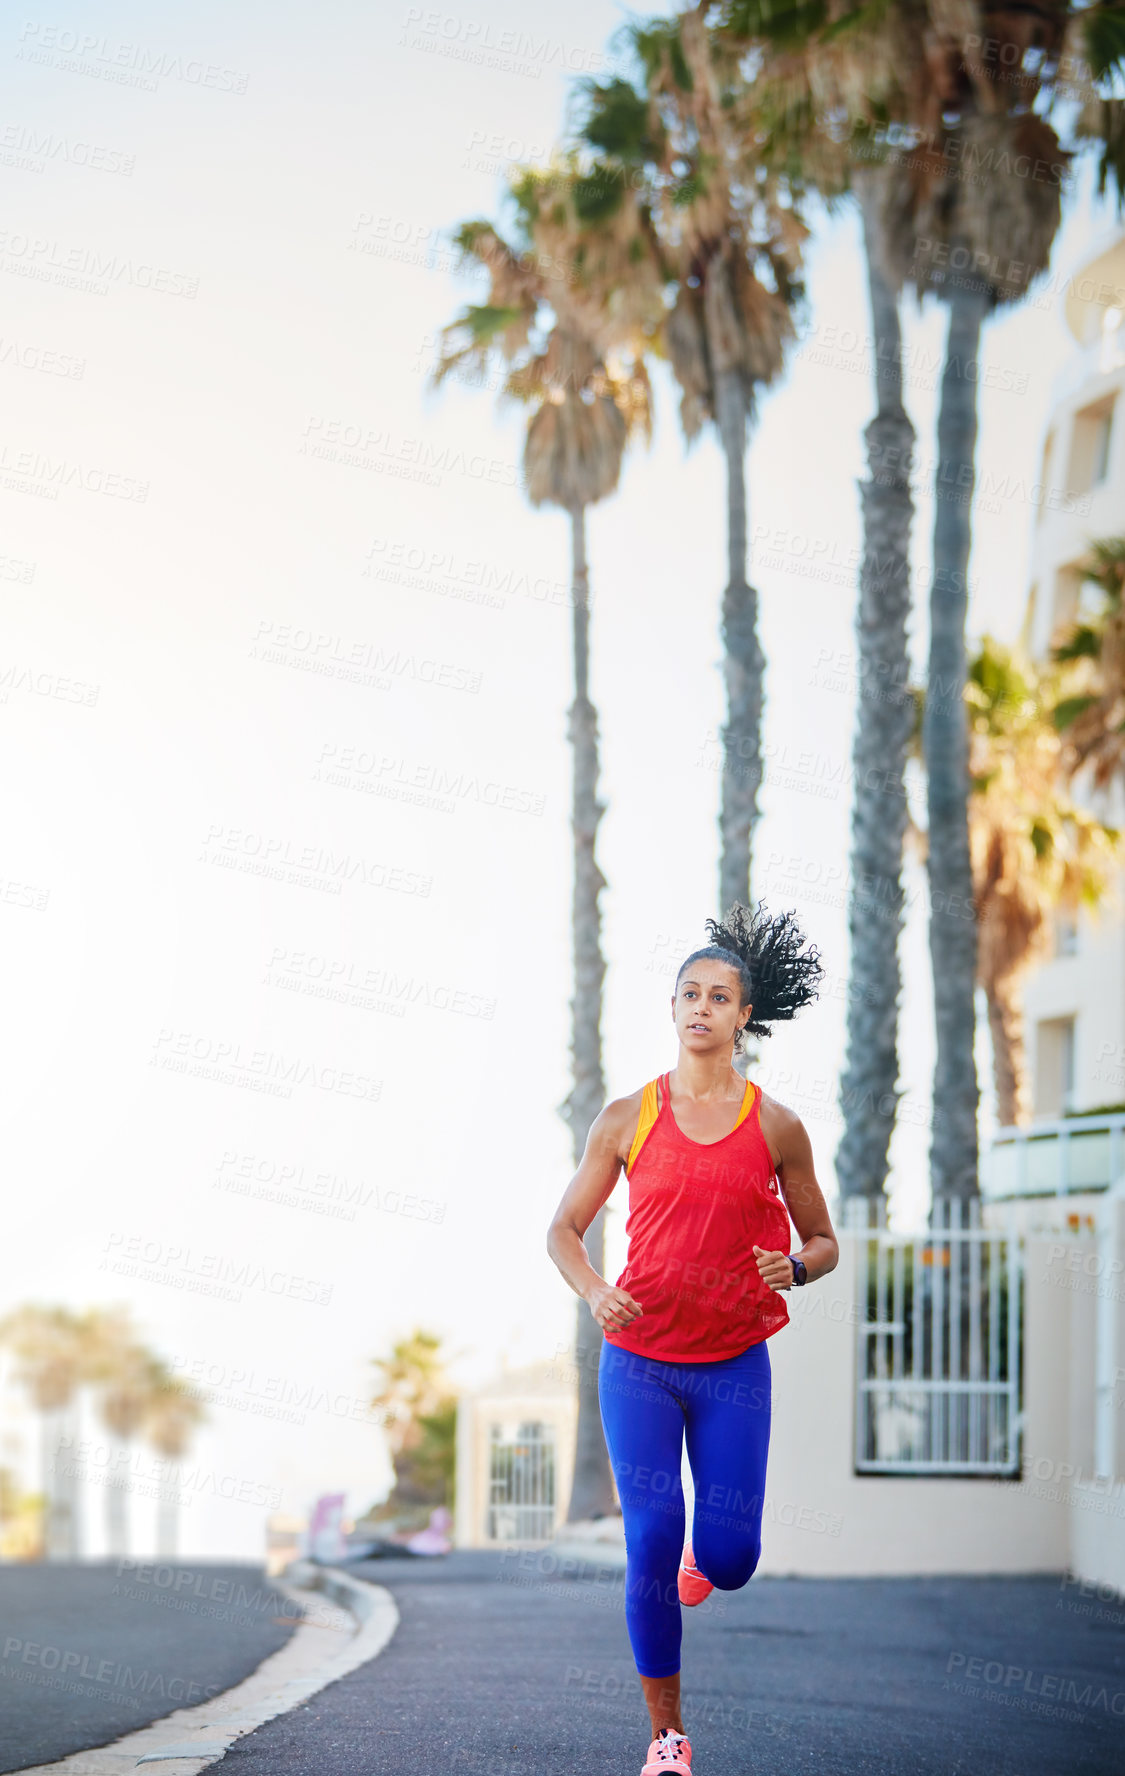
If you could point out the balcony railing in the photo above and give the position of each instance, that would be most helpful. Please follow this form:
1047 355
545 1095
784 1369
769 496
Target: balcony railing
1103 356
1054 1158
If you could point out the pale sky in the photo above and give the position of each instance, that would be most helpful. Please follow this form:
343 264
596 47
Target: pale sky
272 605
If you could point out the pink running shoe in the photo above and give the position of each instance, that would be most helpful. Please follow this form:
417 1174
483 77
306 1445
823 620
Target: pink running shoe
690 1582
669 1751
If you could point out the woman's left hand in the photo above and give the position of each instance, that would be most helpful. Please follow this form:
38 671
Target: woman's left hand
774 1268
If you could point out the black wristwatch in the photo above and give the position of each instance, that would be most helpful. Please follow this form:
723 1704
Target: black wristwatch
800 1274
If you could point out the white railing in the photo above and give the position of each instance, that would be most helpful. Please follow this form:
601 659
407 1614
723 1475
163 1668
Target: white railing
521 1491
938 1346
1102 356
1054 1158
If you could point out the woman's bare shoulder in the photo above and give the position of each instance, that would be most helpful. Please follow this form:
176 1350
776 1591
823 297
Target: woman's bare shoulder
786 1134
618 1120
779 1114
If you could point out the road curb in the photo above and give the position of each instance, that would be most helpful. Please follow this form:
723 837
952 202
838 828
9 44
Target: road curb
595 1541
183 1743
589 1555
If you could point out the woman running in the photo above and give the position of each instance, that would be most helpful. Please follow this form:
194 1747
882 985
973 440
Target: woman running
686 1322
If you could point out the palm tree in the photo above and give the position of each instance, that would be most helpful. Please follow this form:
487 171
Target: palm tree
173 1410
823 85
418 1409
853 77
48 1351
728 239
1034 850
940 217
1091 716
1001 222
123 1373
869 1081
410 1383
557 339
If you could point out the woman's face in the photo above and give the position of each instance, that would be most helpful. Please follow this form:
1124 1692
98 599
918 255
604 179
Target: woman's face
706 1009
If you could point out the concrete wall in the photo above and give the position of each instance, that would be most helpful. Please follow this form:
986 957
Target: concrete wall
822 1518
1096 1491
1097 1539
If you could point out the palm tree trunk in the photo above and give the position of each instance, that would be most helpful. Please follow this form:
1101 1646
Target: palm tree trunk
167 1519
868 1094
60 1485
592 1493
945 742
743 660
117 1511
1009 1052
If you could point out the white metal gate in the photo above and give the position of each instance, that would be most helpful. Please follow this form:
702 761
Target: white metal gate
521 1483
938 1358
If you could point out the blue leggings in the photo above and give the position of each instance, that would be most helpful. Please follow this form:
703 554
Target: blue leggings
647 1406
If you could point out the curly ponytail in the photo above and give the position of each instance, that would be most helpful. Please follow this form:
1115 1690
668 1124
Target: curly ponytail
777 975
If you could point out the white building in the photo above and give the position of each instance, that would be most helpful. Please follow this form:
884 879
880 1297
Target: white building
1075 1000
515 1455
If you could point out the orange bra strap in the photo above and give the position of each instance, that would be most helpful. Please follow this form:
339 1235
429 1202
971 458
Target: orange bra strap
648 1114
748 1097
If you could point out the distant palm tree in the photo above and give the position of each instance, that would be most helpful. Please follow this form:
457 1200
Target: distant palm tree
1034 850
123 1373
557 337
410 1382
1091 713
48 1350
417 1407
729 239
173 1411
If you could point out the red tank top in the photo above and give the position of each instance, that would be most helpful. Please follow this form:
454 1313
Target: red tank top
697 1209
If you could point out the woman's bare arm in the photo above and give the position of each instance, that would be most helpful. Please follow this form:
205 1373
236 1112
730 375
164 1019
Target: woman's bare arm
607 1148
792 1155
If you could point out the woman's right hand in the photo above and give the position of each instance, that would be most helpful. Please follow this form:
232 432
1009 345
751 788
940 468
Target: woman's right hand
612 1308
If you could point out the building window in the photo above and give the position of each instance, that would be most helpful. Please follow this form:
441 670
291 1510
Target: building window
1066 933
1054 1067
1089 446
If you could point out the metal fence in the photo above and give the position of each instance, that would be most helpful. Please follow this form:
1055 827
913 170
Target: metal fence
521 1483
938 1361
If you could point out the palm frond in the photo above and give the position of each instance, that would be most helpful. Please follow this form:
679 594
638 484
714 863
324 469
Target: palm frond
1103 39
1083 642
1102 120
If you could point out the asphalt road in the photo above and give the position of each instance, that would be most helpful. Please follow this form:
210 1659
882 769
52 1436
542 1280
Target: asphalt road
501 1666
90 1652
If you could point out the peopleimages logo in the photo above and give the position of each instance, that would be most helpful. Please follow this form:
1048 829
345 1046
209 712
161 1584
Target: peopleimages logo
83 52
56 472
70 1664
1045 1685
41 256
22 145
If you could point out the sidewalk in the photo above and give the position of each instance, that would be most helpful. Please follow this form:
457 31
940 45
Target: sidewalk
89 1652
